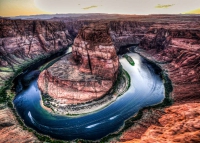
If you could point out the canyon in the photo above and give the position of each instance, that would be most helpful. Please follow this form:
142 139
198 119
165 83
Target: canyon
171 41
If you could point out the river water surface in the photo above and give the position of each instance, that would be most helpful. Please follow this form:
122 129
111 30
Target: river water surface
146 89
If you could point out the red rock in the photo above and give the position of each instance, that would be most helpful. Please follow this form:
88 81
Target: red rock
175 47
11 130
180 124
88 73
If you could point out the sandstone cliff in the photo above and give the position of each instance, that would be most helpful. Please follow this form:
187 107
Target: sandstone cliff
177 48
88 73
128 32
179 124
22 42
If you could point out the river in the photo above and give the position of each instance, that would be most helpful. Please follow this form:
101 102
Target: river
146 89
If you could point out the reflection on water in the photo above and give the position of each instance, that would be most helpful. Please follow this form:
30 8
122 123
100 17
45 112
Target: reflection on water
146 89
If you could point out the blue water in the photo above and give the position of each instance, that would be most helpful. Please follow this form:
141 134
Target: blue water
146 89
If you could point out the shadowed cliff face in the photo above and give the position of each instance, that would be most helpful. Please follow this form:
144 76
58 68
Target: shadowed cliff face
87 74
128 32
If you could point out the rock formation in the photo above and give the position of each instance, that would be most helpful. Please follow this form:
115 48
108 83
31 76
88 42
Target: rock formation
11 130
179 124
22 42
176 48
86 74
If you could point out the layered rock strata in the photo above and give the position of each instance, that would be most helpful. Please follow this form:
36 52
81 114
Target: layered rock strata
86 74
128 32
179 124
176 47
22 42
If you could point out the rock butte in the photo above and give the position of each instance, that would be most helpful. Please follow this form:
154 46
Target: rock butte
86 74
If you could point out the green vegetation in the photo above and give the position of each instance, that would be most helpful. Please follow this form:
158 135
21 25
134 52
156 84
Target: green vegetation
9 82
122 76
129 59
7 95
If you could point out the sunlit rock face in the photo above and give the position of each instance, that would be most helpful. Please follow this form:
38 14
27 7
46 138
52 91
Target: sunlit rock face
179 124
86 74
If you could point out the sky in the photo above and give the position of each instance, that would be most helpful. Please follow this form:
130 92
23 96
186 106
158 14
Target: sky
35 7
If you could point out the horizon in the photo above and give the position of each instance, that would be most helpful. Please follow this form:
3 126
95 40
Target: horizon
94 14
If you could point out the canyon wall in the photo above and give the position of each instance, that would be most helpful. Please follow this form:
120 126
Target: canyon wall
175 46
22 42
127 32
179 124
10 130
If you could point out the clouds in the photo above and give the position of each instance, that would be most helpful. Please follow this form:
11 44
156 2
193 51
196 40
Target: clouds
164 6
93 6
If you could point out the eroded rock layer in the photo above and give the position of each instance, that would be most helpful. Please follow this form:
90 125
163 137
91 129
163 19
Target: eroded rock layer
10 129
86 74
24 42
179 124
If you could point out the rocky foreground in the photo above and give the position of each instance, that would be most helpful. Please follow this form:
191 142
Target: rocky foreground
173 42
10 130
180 124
